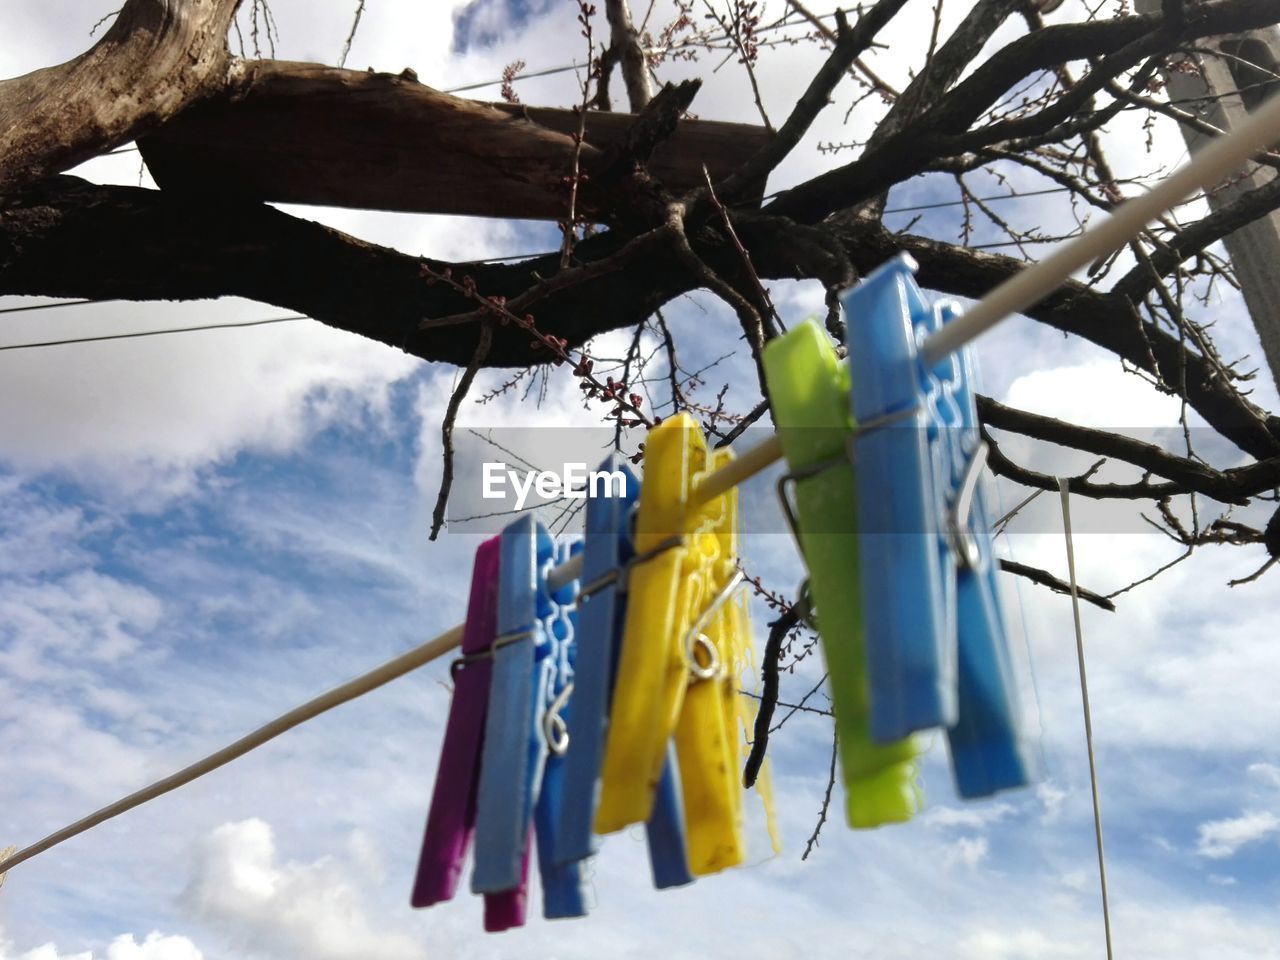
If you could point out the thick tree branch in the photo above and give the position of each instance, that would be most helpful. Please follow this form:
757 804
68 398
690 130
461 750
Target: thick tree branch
158 57
1190 475
68 238
1195 237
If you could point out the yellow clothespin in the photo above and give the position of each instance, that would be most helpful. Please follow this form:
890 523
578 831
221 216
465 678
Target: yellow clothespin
686 648
708 736
665 594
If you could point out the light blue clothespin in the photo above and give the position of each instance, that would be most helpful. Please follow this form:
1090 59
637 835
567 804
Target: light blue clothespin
512 760
936 644
601 615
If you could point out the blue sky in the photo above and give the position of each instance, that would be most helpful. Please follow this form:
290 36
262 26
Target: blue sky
199 532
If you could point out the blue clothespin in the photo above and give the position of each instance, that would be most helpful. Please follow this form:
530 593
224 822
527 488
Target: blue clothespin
936 644
987 754
511 762
902 471
601 616
562 893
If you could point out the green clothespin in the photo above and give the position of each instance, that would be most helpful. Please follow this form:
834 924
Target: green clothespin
809 393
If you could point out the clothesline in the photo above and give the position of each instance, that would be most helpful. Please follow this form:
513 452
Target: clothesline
1024 289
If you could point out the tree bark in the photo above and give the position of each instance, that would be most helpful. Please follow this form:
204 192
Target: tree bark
158 57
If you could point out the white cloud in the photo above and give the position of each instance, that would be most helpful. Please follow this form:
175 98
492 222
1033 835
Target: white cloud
1266 773
972 817
1220 839
285 909
1051 800
966 852
147 415
155 946
1096 394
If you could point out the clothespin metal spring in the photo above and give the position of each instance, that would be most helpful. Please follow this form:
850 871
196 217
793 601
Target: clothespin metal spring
695 639
963 541
554 727
848 458
487 653
620 574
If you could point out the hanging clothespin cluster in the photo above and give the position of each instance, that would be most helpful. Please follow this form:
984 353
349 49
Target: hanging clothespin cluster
885 458
580 711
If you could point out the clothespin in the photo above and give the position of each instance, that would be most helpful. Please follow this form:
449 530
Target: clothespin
809 394
681 656
937 652
451 820
512 760
988 752
666 593
562 894
608 554
708 734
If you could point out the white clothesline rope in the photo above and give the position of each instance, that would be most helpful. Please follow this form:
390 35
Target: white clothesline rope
1065 494
1025 288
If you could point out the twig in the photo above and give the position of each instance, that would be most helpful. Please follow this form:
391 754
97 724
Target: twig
351 35
483 343
772 323
748 316
585 12
741 426
1151 576
778 631
1047 579
92 30
850 43
1255 575
826 799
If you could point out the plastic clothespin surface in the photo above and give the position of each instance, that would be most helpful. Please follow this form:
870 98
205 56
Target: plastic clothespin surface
988 752
938 651
510 768
664 592
451 819
708 739
903 475
809 393
607 551
562 894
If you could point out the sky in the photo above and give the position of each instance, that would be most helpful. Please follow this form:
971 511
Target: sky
198 532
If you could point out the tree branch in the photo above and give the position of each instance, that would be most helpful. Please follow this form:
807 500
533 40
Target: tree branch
158 57
1046 579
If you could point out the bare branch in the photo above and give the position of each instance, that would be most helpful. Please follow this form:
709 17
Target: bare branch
624 43
1046 579
450 418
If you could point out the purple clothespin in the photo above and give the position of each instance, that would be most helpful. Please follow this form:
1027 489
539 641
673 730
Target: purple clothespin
451 820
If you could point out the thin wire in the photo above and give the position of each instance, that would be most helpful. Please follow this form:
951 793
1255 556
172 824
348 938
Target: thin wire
520 76
1065 494
565 68
52 306
149 333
